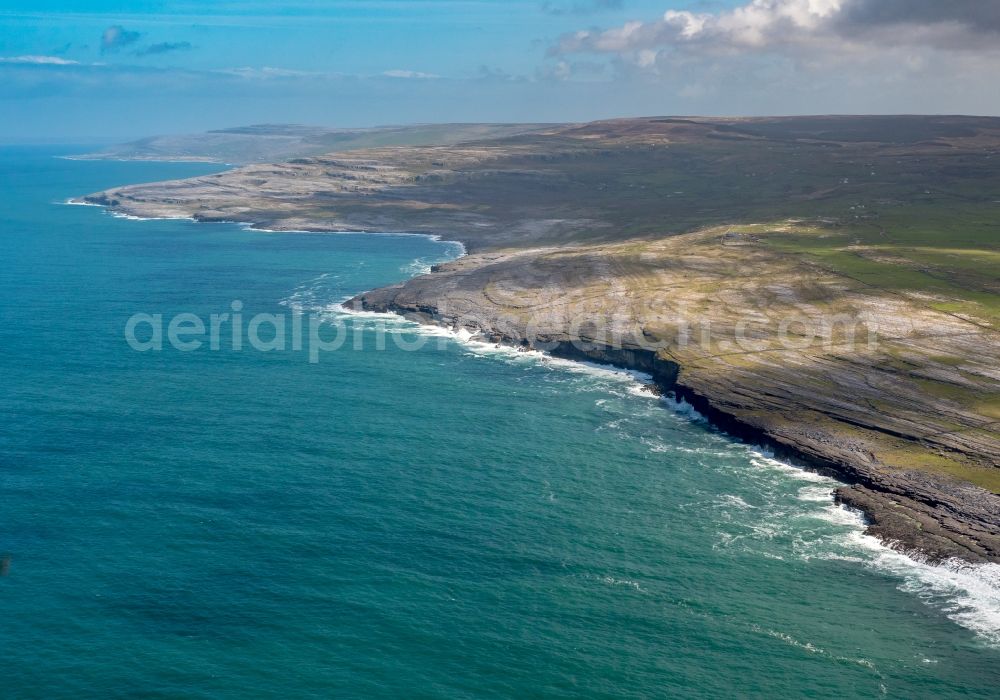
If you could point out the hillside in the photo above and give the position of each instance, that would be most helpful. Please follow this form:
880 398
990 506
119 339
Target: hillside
262 143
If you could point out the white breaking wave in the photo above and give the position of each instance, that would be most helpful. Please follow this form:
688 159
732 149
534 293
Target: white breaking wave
249 226
684 409
817 494
735 501
968 594
306 297
420 266
423 266
633 381
133 217
121 215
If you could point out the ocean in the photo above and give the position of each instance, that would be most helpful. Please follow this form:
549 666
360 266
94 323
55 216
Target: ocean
404 513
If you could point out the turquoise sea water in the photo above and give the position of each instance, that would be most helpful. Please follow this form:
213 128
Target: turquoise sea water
452 521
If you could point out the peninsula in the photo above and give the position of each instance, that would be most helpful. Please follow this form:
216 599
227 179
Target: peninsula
826 286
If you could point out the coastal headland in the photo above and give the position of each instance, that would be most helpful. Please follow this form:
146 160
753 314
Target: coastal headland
826 286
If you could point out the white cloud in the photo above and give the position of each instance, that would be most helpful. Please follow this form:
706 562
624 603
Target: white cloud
805 56
117 37
803 26
266 73
39 60
409 75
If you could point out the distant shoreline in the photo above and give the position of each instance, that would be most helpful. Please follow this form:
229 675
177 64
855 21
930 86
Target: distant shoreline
142 159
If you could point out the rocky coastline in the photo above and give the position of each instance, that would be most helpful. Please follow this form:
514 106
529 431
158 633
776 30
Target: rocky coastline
928 518
824 286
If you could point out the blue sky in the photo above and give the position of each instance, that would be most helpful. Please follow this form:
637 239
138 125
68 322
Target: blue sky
452 38
103 68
